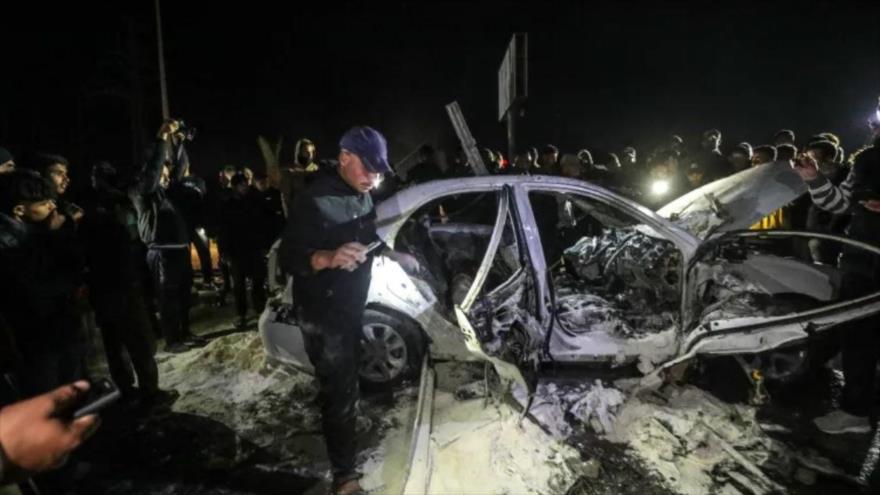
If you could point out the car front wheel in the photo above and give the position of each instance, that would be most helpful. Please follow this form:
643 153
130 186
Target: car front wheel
392 349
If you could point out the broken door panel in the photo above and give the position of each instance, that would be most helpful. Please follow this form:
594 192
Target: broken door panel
751 293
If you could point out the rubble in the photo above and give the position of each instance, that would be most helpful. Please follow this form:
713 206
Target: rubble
691 441
695 442
481 446
598 407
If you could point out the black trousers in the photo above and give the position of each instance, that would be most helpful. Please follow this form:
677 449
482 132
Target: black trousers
125 325
333 347
204 252
243 267
860 350
226 273
172 281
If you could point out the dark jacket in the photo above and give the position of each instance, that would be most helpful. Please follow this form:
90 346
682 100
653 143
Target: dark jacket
327 215
244 225
714 165
160 220
41 271
114 248
274 210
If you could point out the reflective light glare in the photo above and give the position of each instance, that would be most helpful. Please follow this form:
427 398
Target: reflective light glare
660 187
377 181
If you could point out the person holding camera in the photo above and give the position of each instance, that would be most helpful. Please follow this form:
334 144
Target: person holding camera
164 230
858 196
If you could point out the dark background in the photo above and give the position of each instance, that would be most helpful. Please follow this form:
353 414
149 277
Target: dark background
81 80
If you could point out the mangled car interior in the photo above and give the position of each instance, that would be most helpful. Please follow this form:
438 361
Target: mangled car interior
618 288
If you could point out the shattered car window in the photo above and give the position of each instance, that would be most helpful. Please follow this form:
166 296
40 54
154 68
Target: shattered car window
608 274
449 236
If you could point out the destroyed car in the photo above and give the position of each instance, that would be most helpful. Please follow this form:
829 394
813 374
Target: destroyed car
527 270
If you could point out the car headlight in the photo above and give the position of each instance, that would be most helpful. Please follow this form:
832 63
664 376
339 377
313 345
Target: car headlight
660 187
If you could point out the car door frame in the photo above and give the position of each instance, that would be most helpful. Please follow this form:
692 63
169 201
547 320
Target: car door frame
685 242
506 370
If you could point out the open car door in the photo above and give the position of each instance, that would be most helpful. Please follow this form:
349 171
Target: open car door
747 296
497 314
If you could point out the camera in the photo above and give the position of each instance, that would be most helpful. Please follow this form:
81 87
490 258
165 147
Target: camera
188 132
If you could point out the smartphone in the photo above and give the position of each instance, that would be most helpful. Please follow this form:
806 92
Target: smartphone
101 394
373 246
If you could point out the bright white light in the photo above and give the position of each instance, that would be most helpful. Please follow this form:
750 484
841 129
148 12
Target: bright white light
377 181
660 187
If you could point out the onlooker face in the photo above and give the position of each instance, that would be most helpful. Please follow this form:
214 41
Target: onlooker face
354 173
57 175
826 163
695 178
760 158
548 159
783 138
817 155
660 171
572 170
225 177
34 212
711 142
522 162
165 178
262 184
306 154
739 160
7 167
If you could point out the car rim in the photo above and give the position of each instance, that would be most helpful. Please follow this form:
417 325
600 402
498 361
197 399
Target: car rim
384 353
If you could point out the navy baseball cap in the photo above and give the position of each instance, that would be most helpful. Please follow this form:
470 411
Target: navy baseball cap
369 145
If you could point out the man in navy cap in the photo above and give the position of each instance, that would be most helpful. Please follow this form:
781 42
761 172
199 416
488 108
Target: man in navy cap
324 247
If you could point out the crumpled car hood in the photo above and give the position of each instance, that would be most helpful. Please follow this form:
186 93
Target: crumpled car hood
735 202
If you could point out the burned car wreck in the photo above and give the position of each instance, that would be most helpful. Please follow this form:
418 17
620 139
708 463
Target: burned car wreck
526 270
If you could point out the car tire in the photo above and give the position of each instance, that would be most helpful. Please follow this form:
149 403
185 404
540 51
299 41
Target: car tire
392 349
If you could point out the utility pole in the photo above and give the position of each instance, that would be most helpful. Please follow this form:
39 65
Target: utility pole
166 113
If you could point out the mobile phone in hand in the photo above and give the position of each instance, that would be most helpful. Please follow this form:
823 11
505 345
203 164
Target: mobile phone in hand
373 246
101 394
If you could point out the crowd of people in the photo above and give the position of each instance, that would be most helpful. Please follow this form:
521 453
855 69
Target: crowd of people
121 249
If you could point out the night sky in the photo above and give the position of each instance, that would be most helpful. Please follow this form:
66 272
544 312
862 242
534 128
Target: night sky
82 81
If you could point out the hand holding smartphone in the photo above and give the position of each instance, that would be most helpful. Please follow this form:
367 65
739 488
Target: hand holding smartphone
101 394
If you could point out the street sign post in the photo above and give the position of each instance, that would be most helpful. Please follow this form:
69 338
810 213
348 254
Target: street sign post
513 86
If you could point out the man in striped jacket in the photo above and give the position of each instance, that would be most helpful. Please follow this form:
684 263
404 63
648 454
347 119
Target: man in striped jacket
858 196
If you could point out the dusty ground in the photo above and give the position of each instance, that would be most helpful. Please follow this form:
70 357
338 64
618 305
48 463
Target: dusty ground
242 426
